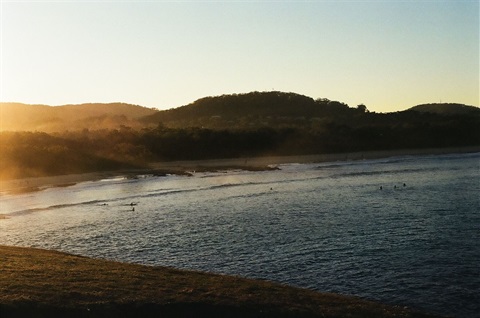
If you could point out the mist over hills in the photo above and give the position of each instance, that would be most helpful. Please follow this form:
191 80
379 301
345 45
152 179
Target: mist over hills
235 111
23 117
38 140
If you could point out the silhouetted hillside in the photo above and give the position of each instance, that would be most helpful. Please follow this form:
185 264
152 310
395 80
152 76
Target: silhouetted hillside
447 109
23 117
228 126
256 109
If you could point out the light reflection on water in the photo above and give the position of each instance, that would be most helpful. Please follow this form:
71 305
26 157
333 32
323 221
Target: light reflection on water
323 226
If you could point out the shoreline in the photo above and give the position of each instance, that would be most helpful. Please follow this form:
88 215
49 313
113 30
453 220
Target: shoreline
25 185
44 283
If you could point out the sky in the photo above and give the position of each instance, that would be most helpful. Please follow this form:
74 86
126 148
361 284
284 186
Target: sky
389 55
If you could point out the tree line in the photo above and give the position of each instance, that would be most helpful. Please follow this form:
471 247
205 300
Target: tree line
30 154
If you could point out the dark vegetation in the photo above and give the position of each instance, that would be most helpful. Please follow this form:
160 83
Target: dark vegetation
228 126
447 109
40 283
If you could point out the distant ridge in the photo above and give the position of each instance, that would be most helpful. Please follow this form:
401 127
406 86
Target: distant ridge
233 109
447 109
25 117
285 110
105 137
274 109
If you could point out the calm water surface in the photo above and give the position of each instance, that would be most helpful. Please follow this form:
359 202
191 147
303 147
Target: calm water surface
329 226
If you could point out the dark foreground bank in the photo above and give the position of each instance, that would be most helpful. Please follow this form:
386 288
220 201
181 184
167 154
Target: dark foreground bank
41 283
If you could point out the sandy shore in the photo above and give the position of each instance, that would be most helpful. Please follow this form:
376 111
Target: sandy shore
276 160
180 167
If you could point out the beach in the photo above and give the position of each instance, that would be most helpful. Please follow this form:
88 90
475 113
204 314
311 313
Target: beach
187 167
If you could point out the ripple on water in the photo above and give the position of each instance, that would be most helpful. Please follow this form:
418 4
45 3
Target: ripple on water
326 226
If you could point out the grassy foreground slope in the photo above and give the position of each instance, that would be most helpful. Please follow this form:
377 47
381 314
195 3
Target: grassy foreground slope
40 283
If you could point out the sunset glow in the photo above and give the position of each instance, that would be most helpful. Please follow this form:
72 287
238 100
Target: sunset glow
388 55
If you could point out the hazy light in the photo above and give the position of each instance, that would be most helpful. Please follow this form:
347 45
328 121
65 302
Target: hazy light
389 55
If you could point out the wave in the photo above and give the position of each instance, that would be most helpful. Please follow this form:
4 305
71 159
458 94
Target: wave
292 173
55 207
382 172
119 201
399 159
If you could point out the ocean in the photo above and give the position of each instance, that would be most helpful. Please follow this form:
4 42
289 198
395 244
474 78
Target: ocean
401 230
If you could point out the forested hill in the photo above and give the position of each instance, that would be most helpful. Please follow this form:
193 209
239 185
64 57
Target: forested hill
24 117
228 126
289 123
248 110
286 110
447 109
275 110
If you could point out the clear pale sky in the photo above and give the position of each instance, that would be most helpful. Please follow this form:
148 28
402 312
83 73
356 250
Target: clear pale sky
389 55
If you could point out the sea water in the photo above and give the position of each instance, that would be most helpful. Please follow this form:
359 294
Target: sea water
403 231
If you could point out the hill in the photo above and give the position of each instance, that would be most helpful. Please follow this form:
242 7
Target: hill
279 110
228 126
253 110
24 117
40 283
273 109
447 109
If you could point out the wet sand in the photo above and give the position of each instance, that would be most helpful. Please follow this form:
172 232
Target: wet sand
185 167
